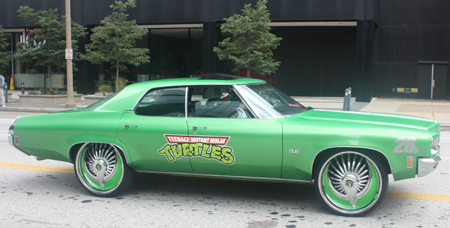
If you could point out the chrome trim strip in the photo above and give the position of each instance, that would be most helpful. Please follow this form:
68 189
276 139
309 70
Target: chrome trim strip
11 142
351 147
226 176
186 90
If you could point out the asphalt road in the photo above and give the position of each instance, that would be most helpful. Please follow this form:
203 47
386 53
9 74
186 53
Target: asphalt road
47 194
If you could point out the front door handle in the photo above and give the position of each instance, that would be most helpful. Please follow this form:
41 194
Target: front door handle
195 128
128 126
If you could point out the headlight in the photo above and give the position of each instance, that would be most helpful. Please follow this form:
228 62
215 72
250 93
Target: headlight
435 148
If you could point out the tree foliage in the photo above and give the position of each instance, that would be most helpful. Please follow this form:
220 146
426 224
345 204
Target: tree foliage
46 44
115 40
251 44
4 58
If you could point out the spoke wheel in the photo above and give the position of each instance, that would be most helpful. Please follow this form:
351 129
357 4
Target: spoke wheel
101 169
351 183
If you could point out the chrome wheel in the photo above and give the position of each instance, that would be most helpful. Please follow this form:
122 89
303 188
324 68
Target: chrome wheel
351 183
101 169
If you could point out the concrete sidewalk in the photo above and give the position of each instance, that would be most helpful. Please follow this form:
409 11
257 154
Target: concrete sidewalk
435 110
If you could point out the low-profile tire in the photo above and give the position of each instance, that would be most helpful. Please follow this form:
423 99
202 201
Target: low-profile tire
102 169
351 183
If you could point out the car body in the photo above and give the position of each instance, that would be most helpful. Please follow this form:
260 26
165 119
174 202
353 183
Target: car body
231 127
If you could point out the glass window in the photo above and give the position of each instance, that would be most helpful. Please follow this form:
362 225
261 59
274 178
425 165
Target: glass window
269 102
163 102
216 102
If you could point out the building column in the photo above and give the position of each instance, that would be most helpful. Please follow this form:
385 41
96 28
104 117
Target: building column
365 45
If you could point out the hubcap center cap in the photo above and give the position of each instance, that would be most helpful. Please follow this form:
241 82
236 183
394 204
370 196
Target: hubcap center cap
100 171
350 186
349 183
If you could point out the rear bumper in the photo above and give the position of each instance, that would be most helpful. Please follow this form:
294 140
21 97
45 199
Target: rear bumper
427 165
10 140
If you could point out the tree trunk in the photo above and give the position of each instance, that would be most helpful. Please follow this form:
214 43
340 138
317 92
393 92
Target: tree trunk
248 73
117 75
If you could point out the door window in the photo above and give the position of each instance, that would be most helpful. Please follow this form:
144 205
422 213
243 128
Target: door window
216 102
163 102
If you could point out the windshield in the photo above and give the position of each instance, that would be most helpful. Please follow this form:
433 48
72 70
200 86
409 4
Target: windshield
269 102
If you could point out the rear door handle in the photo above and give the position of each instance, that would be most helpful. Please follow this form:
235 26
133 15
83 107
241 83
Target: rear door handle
128 126
195 128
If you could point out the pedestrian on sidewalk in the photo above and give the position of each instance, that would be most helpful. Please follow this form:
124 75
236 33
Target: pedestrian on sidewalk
2 91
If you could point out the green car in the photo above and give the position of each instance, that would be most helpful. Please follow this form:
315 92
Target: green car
230 127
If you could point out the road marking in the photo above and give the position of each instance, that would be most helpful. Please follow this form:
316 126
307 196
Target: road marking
422 196
403 195
37 167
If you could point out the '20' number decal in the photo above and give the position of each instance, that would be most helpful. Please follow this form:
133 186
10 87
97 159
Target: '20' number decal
406 145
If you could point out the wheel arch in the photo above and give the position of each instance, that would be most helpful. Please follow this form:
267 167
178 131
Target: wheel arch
73 150
367 151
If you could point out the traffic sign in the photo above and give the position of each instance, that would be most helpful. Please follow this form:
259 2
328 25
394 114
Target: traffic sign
69 53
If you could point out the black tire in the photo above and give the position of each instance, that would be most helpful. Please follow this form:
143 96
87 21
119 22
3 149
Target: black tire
351 183
94 159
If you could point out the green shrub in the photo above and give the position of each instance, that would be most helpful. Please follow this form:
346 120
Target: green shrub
105 89
121 84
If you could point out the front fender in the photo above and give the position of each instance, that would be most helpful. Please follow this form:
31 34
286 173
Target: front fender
304 141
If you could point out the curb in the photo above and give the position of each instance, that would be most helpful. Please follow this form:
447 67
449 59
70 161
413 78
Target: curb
37 110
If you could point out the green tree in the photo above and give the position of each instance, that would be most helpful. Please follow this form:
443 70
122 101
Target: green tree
46 44
4 58
251 44
114 41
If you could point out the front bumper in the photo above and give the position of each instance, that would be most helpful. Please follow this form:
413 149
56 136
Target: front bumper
427 165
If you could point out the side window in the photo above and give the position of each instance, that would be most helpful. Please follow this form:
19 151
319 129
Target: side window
216 102
162 102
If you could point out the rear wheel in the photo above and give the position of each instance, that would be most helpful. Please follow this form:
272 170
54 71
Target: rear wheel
102 170
351 183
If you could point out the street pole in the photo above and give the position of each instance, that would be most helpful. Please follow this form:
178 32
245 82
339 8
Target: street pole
69 55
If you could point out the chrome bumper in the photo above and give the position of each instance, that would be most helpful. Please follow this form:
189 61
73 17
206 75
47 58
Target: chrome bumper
11 142
427 165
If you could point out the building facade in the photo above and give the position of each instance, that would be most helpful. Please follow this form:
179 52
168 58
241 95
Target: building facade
380 48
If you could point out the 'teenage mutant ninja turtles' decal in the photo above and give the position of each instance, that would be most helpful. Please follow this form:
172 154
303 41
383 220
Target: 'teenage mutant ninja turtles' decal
208 147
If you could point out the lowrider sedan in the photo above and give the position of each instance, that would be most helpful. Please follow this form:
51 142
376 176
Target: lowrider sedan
230 127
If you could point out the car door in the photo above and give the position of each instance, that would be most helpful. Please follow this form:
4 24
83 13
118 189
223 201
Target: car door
145 131
226 139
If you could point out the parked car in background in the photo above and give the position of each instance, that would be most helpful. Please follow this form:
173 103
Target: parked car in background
230 127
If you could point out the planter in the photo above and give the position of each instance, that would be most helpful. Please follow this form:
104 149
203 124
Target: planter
46 99
88 100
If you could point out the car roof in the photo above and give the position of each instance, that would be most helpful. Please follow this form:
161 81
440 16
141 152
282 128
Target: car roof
130 95
204 79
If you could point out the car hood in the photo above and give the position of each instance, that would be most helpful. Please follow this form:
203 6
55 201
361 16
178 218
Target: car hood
369 118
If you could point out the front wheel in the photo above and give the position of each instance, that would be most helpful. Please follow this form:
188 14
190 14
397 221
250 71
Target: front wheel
351 183
102 169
